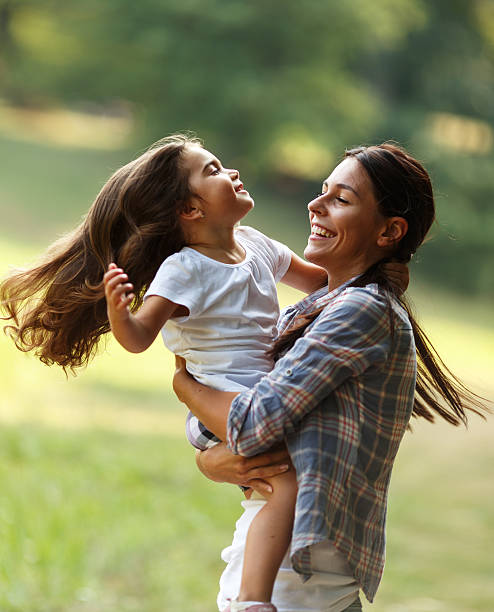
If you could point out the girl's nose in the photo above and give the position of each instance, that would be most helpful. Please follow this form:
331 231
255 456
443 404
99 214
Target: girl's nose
234 174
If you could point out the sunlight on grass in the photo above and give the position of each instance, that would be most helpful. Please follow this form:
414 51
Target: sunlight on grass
102 506
66 128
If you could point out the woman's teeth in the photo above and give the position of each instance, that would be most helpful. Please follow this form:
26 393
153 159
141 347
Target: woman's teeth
320 231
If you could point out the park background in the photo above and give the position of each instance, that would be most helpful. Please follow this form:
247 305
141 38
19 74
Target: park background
101 506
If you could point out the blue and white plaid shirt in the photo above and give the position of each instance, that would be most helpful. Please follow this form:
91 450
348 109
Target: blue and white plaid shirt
341 398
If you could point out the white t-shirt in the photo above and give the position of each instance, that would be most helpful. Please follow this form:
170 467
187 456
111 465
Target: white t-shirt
233 310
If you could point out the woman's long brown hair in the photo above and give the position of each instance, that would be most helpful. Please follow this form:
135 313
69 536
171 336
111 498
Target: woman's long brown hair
402 187
58 307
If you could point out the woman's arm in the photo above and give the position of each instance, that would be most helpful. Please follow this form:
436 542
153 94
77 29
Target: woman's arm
304 276
350 336
135 332
209 405
221 465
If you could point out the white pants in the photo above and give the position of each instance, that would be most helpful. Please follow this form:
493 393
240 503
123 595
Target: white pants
332 587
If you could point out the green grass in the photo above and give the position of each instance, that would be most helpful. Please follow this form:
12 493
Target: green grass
99 520
102 507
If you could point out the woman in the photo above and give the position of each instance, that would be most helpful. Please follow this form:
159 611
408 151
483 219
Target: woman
346 382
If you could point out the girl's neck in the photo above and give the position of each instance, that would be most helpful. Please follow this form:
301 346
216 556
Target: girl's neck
219 245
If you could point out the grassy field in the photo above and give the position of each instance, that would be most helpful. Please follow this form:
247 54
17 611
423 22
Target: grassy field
102 508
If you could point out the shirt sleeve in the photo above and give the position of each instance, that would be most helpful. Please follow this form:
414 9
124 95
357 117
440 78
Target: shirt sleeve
177 280
351 335
277 254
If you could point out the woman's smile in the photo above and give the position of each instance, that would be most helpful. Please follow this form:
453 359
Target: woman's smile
319 232
345 223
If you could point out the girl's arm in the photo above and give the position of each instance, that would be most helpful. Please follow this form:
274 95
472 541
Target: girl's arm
304 276
135 332
308 277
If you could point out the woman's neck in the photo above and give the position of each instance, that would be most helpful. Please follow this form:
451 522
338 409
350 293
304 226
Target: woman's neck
337 276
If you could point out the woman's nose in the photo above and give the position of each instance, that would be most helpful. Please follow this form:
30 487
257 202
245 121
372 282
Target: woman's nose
315 205
235 174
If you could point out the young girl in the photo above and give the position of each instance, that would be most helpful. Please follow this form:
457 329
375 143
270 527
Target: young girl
215 301
169 220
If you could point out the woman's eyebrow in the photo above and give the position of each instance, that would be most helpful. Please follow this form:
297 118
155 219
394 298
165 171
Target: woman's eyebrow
345 186
342 186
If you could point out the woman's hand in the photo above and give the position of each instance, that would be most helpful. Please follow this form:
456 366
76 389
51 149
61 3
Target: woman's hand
221 465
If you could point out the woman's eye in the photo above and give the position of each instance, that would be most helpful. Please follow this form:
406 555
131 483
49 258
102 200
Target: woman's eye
342 200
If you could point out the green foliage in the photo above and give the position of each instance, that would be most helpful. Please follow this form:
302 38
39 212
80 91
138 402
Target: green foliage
237 73
279 89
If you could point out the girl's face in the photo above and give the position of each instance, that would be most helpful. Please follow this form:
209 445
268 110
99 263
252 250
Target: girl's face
220 194
345 223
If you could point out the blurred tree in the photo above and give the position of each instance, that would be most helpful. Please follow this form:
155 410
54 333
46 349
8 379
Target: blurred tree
281 87
437 91
249 77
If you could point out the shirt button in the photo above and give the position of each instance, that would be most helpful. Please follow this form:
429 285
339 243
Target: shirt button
288 372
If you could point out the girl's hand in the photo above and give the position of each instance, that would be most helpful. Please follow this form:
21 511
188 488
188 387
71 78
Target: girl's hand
221 465
398 274
117 291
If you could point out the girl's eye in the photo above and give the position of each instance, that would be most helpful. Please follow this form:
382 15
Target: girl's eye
342 200
215 171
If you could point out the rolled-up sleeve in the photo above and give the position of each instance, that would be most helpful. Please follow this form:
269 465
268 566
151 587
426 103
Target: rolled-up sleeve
351 335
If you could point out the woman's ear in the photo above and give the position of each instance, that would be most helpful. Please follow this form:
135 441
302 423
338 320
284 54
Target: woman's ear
394 231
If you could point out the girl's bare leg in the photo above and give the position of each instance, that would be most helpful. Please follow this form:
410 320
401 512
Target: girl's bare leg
268 539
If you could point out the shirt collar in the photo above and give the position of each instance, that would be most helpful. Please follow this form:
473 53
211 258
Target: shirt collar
322 296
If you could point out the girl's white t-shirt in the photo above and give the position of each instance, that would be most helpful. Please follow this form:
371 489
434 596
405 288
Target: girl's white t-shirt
233 310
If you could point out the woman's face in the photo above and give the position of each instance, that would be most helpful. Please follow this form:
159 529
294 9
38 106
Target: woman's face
345 223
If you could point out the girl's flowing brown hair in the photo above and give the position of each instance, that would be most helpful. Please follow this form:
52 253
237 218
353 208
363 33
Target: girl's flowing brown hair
58 307
402 188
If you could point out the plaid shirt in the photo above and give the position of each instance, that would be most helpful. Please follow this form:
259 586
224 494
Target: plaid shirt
341 398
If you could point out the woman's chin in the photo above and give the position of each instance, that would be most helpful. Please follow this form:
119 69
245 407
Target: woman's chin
313 256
